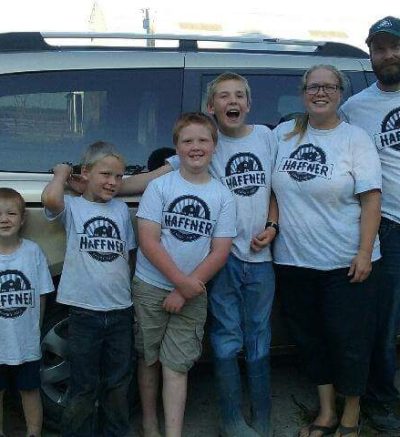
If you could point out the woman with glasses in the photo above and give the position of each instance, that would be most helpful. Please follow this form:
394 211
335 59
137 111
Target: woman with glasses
327 180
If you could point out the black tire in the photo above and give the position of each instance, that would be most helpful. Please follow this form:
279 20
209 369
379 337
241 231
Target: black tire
55 366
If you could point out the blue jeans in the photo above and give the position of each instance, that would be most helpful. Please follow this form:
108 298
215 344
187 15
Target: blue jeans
240 301
100 351
383 361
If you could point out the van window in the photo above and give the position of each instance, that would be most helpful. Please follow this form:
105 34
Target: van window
50 117
371 78
274 96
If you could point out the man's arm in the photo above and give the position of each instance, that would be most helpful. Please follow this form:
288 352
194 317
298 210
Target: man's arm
53 193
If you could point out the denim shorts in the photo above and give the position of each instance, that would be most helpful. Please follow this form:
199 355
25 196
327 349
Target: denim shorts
25 376
173 339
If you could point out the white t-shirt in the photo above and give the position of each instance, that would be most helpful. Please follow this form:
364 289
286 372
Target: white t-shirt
378 112
96 273
24 276
244 165
316 182
190 215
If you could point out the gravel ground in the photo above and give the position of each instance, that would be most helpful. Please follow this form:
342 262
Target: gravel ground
293 399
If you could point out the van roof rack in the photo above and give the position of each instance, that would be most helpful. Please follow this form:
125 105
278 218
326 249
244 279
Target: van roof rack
36 41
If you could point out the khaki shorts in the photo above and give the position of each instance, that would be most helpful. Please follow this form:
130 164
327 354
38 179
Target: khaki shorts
173 339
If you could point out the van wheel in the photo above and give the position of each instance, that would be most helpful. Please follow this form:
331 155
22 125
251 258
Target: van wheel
54 369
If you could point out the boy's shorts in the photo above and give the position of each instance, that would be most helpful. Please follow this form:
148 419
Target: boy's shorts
173 339
25 376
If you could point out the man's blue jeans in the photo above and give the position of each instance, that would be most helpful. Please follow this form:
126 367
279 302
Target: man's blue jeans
100 351
240 302
383 361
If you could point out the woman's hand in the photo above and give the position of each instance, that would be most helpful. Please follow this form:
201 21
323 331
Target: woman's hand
361 267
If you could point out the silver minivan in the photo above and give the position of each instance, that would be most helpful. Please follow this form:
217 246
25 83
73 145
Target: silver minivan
61 92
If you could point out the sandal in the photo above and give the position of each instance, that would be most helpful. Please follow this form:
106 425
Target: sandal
346 430
325 430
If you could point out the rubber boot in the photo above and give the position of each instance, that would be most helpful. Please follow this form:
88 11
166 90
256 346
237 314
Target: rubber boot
258 374
229 390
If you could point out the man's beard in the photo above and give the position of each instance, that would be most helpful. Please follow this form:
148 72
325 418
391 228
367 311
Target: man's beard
386 77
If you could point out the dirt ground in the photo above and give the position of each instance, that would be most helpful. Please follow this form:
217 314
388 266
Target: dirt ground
293 402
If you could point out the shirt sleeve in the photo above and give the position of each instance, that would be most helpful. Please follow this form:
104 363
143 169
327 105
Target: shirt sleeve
61 215
342 114
366 168
151 203
174 161
226 222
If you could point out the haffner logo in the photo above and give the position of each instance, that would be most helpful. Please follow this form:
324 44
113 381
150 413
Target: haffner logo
244 174
305 163
188 218
101 239
390 127
16 294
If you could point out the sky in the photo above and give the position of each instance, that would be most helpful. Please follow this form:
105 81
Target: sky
340 20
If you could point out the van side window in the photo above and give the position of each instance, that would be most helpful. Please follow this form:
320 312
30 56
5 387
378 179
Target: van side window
371 78
50 117
274 95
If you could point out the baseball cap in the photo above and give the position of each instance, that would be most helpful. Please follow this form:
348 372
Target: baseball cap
385 25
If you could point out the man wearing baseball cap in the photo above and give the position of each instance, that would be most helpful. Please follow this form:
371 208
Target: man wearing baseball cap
377 110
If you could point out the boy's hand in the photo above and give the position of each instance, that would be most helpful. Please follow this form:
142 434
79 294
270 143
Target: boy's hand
174 302
191 287
263 239
62 171
77 183
74 181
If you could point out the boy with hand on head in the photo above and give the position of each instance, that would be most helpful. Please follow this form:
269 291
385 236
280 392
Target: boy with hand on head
24 281
186 221
95 283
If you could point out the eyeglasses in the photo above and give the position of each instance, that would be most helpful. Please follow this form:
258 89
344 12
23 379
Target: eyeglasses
328 89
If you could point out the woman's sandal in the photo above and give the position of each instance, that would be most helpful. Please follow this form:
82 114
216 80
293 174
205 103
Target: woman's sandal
325 430
346 430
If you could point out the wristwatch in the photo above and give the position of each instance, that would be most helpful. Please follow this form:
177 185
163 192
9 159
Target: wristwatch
272 225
